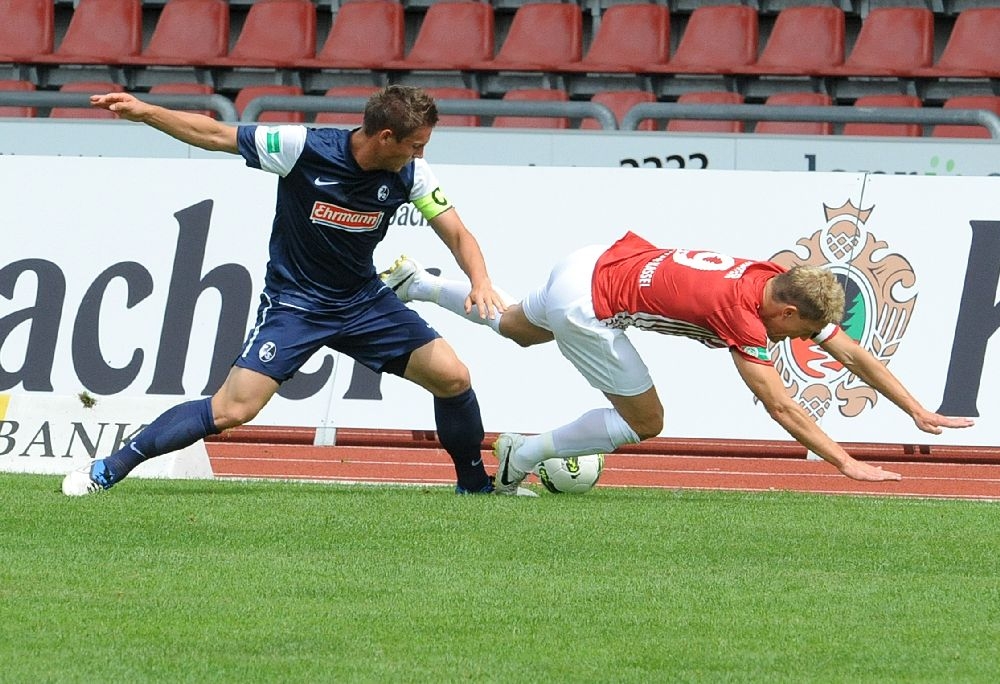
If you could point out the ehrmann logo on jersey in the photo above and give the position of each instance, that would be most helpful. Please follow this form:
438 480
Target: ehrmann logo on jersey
331 215
880 297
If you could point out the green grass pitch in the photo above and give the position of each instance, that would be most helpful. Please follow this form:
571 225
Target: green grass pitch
216 581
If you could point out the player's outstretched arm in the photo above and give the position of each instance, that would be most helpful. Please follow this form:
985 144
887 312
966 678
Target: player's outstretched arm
764 382
862 363
194 129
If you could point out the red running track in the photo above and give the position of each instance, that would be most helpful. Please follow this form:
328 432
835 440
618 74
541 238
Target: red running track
415 458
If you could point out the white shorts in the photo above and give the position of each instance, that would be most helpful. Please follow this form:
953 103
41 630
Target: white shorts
603 355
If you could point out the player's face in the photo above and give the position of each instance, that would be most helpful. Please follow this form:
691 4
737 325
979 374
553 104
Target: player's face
788 324
395 153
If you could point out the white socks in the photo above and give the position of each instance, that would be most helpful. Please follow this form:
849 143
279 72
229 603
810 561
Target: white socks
450 295
599 431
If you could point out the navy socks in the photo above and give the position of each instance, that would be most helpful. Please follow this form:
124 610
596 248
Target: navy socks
175 429
460 431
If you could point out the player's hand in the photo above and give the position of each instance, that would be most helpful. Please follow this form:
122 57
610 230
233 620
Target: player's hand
858 470
487 300
123 104
933 422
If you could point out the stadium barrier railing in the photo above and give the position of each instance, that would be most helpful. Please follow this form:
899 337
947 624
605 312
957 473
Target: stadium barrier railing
750 112
577 110
220 104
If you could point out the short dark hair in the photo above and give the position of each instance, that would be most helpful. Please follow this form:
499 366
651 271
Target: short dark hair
401 109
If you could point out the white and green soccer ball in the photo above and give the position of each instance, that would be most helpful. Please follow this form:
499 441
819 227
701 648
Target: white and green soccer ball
574 475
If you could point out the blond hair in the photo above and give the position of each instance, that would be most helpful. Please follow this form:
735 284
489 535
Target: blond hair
401 109
814 291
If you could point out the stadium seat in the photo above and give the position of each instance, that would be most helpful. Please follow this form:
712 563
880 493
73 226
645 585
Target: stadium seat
630 38
90 88
987 102
345 119
249 93
276 34
901 130
100 32
188 33
796 127
971 50
364 35
542 37
619 102
27 29
450 93
537 95
893 41
452 36
707 125
803 41
716 40
12 110
185 89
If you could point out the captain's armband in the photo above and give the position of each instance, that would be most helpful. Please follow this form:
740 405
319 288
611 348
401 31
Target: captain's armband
433 204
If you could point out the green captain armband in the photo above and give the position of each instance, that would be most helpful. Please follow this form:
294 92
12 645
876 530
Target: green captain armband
433 204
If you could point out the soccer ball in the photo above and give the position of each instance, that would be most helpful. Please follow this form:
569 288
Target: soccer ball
574 475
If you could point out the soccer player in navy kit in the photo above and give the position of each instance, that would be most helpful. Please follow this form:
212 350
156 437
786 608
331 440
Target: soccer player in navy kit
337 191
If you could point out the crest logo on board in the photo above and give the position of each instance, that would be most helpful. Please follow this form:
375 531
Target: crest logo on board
880 296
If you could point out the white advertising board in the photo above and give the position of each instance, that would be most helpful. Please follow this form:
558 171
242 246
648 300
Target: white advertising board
138 277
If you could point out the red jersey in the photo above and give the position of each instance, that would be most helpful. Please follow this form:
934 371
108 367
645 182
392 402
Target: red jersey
709 297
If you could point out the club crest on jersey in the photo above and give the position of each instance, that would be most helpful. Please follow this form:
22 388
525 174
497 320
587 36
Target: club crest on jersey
879 295
383 193
326 214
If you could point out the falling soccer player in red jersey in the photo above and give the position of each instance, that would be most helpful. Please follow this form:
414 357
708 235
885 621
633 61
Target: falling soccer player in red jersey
597 292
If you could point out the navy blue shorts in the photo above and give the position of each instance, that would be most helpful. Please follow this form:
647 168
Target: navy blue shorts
373 332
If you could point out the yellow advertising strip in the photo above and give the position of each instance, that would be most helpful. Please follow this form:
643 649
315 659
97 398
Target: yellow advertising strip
4 402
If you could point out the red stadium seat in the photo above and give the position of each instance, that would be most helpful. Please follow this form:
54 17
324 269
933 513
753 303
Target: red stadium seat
901 130
91 88
629 40
17 111
707 125
893 41
971 49
276 33
804 40
796 127
987 102
453 93
345 119
452 36
716 40
619 102
186 89
188 33
100 32
542 37
249 93
537 95
364 35
27 28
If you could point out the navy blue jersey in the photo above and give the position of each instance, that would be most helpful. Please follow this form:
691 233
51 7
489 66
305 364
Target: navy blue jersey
329 213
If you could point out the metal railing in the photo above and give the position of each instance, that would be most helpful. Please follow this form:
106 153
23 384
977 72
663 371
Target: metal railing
745 112
226 110
219 104
319 103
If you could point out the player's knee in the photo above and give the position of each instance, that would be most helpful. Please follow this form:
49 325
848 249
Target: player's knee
452 383
648 426
233 414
